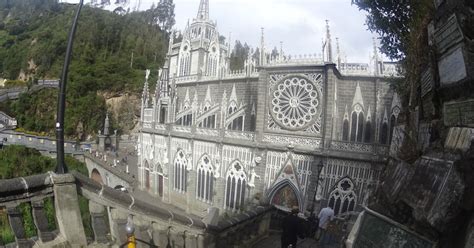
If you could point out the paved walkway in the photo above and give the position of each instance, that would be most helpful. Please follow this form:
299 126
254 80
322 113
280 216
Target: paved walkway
273 241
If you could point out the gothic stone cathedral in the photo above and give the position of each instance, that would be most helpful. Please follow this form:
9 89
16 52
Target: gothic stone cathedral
211 137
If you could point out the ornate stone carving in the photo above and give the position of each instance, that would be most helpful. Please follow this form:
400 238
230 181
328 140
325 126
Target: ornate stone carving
295 102
314 143
181 129
351 147
239 135
207 132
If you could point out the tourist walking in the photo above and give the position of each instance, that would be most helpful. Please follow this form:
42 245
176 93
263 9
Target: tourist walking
292 229
325 216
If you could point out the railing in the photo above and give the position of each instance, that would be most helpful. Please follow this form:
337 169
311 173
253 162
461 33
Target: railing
240 135
11 93
111 210
41 143
7 121
306 59
207 131
359 147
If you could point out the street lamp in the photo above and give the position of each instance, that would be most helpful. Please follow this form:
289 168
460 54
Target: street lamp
61 166
130 229
320 168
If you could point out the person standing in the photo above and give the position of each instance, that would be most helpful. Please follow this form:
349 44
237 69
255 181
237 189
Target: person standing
291 227
325 216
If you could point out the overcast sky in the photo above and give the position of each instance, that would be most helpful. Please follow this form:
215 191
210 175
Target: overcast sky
299 24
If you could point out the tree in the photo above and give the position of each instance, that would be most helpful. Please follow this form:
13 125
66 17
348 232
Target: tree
393 21
238 56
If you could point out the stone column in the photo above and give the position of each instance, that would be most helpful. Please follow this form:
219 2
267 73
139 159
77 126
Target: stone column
41 222
99 223
16 223
141 231
118 222
67 210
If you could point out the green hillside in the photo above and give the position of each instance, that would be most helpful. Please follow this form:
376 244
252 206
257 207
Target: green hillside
110 54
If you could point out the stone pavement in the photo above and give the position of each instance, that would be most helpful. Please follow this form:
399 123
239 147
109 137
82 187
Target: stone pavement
273 241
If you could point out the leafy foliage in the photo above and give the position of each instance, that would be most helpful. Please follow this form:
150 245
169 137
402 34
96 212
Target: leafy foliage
238 56
20 161
393 21
110 54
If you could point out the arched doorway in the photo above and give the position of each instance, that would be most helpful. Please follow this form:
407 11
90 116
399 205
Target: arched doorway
95 175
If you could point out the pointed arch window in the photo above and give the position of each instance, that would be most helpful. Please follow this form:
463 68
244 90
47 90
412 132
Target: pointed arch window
205 179
393 123
368 132
147 176
236 182
343 198
345 130
383 133
238 122
180 173
185 61
357 123
160 186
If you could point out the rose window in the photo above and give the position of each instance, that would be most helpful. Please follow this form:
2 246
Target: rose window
295 102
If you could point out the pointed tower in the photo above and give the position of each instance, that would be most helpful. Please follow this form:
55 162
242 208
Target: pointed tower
145 95
262 49
106 125
376 58
328 43
338 51
357 99
203 12
369 115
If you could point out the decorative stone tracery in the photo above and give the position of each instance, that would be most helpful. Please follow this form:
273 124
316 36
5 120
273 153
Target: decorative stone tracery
343 198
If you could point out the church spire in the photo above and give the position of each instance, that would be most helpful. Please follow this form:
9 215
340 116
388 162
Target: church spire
328 42
203 12
262 49
338 51
376 58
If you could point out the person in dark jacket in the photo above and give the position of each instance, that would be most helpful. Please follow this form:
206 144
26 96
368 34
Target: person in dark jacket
291 227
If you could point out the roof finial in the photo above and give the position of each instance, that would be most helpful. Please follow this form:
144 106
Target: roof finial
262 48
376 58
328 42
203 12
338 53
281 51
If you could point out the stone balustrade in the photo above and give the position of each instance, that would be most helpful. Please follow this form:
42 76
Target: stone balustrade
359 147
41 143
7 121
110 210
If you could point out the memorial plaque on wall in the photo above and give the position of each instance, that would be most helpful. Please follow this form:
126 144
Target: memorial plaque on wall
448 34
376 231
452 67
459 113
426 82
427 183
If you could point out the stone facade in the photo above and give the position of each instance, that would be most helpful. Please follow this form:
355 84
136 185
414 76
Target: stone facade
212 138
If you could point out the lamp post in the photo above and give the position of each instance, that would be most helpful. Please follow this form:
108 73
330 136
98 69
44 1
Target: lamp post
320 168
61 166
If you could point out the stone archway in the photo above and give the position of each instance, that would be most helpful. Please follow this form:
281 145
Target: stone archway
95 175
